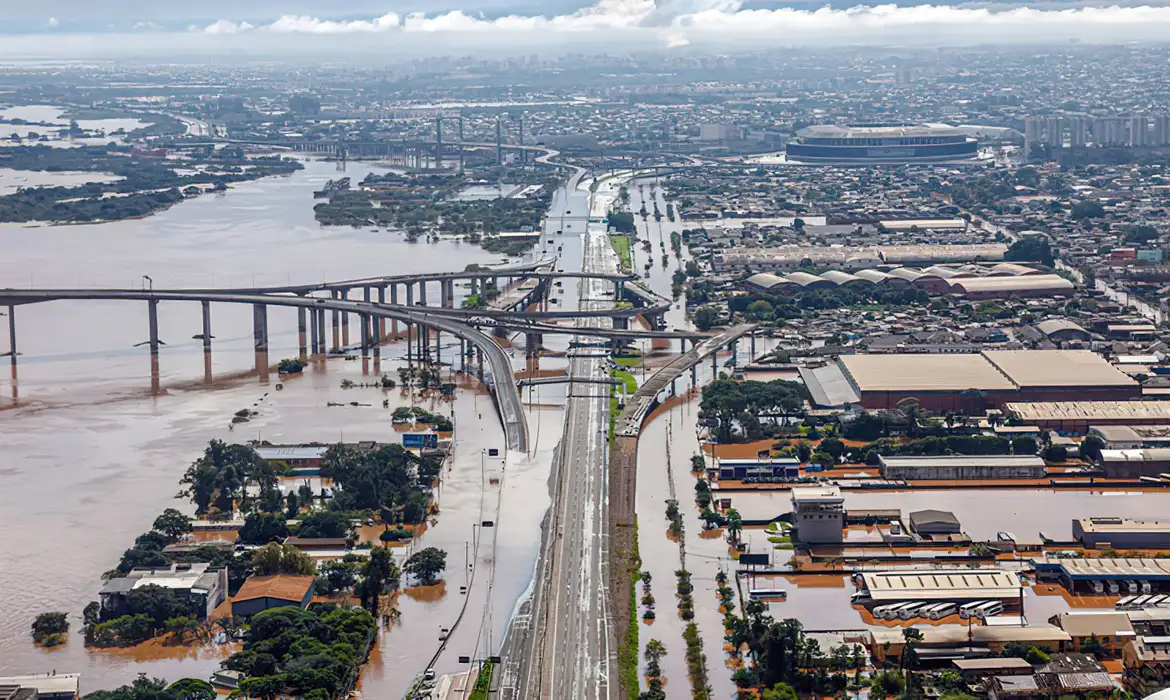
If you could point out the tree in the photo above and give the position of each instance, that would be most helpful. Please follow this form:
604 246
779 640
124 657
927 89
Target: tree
734 524
191 689
780 691
182 626
262 528
706 317
1024 445
327 523
824 459
142 688
379 574
274 558
336 576
292 507
833 447
49 627
1055 453
1088 209
1091 447
172 524
887 683
426 565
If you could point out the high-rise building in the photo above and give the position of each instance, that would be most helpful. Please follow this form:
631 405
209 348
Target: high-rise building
1078 132
1031 134
1138 131
1054 134
1108 131
1162 131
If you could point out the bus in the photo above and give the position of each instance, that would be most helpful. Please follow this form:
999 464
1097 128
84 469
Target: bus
966 608
941 610
989 610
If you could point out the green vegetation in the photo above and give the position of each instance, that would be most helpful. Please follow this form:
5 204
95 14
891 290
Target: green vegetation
784 655
696 659
144 688
743 404
417 202
1030 249
292 651
388 479
628 653
426 565
675 517
483 682
628 381
274 558
654 653
49 629
621 246
145 185
620 221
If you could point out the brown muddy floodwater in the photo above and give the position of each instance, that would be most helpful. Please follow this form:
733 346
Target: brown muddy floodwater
91 457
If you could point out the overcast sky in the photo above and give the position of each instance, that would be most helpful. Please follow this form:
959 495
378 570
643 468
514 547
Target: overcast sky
143 28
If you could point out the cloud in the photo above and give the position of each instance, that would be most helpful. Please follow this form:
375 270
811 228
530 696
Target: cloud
635 25
53 22
681 22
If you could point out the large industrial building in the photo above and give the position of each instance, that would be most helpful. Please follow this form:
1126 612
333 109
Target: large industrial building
1083 575
881 143
962 467
1122 533
1077 416
940 584
974 382
926 257
1134 464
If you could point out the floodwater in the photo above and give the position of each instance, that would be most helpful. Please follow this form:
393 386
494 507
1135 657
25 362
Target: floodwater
91 456
1024 513
12 180
46 114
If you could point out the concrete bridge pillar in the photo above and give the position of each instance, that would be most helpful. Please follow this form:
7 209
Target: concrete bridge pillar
12 332
753 342
206 308
260 334
532 343
714 364
381 319
479 364
618 288
394 302
449 293
314 333
302 334
422 293
409 342
409 294
336 324
345 321
439 351
152 319
475 285
364 320
321 331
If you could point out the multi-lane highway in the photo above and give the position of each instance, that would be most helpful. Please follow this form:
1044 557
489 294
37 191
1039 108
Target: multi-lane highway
565 648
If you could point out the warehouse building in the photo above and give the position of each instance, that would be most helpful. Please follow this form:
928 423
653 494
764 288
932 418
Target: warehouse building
1103 574
1134 464
963 641
976 288
929 523
940 584
1121 533
1077 416
1110 630
961 467
1132 437
974 382
768 468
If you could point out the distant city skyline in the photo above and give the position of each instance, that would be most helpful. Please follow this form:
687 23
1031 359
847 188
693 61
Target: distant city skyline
75 29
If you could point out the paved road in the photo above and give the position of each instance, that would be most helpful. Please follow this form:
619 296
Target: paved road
499 365
569 651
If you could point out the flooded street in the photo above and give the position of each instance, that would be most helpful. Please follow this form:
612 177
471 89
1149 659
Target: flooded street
92 457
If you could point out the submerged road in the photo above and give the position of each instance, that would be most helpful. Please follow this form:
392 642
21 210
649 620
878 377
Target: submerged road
564 647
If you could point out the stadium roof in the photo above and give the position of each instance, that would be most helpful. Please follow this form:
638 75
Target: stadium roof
945 584
924 372
1057 368
765 280
833 131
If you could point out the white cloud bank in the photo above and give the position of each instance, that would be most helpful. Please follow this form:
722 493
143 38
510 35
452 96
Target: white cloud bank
638 25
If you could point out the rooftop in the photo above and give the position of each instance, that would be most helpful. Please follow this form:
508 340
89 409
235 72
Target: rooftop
814 494
1123 525
1104 567
944 584
947 461
1057 368
833 131
56 684
957 635
1103 623
923 372
275 453
279 587
1090 410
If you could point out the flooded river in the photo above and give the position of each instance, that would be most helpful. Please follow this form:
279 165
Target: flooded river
91 457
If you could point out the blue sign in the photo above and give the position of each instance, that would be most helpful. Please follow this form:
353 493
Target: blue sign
420 440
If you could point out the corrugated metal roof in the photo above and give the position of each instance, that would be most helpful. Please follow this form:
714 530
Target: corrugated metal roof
942 584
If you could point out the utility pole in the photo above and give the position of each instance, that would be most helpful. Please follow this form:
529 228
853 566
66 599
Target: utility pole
438 142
